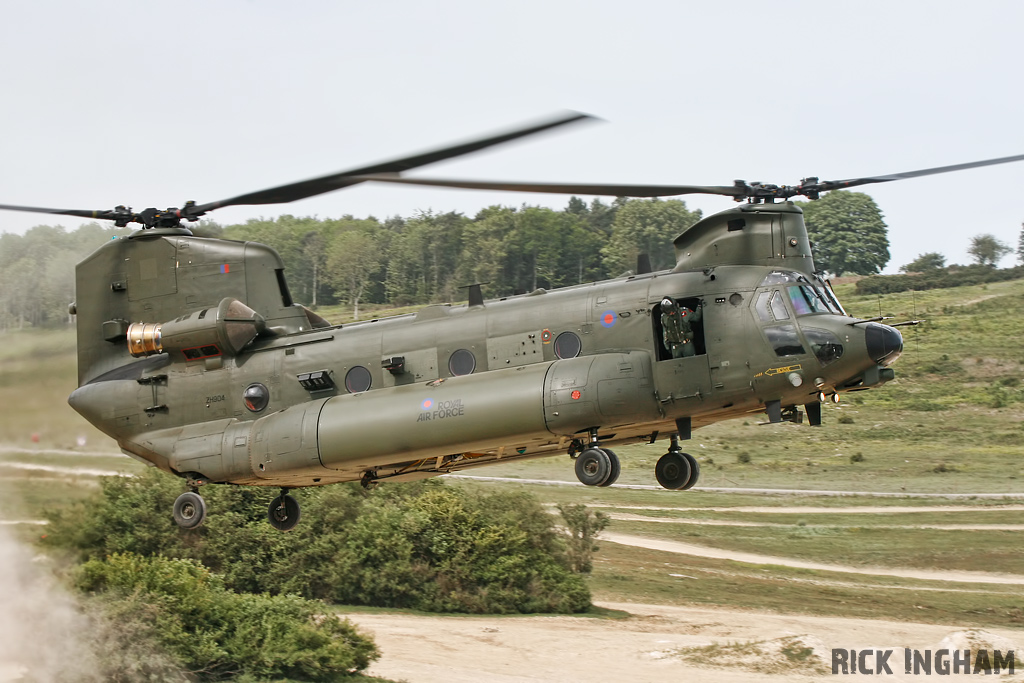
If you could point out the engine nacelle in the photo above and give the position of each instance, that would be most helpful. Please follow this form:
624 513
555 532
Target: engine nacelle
224 330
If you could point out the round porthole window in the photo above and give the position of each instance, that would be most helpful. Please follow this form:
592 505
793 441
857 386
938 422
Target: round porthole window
357 379
567 345
256 397
462 362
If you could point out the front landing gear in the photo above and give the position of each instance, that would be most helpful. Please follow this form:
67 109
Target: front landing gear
676 470
189 510
283 513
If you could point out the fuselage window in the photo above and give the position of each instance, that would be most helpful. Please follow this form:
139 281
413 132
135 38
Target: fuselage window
357 379
568 345
462 362
256 397
784 340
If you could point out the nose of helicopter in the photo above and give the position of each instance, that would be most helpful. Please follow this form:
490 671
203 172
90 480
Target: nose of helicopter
885 344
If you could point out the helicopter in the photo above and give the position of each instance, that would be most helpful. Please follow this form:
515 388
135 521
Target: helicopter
194 358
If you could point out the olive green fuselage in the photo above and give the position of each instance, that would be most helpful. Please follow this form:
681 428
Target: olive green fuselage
453 387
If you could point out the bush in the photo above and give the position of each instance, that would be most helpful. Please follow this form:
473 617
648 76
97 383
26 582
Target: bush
422 546
218 633
938 278
583 525
743 458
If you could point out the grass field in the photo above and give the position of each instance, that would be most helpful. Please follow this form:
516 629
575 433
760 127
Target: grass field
952 422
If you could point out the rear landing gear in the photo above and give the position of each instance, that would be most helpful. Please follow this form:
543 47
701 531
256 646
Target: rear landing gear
676 470
595 466
189 510
283 513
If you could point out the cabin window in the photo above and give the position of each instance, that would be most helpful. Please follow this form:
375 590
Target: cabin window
568 345
784 340
462 362
357 379
256 397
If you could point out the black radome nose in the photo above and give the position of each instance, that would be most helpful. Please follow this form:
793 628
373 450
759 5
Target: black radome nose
885 344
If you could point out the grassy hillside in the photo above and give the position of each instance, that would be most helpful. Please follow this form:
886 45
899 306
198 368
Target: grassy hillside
950 422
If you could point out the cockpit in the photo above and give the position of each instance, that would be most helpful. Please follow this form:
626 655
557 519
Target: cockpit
788 295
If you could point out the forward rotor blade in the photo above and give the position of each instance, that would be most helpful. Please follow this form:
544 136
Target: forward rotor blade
79 213
854 182
309 188
603 189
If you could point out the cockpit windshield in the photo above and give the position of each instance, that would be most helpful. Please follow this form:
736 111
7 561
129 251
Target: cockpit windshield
808 296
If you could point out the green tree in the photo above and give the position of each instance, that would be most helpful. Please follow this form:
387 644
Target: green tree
646 226
583 526
353 258
848 233
931 260
987 250
1020 245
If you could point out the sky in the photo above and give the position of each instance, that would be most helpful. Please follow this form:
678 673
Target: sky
152 104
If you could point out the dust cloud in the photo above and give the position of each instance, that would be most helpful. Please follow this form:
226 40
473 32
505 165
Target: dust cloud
43 634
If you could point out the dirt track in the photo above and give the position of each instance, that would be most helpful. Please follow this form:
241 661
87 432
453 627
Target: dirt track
753 558
428 649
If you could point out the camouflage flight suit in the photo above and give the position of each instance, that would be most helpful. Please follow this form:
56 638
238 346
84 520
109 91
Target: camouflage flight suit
677 328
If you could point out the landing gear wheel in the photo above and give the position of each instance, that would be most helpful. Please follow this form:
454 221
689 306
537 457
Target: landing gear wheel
694 472
673 471
593 466
616 468
283 514
189 510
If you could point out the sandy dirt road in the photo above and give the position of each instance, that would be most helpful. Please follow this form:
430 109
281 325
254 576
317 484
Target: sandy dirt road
754 558
640 648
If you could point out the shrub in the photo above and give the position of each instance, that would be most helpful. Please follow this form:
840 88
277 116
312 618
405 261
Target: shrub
216 632
583 525
423 546
938 278
743 458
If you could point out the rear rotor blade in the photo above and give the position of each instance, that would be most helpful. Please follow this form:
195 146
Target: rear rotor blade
308 188
604 189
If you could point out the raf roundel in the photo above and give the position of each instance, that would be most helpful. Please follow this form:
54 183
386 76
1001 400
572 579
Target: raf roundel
427 404
608 318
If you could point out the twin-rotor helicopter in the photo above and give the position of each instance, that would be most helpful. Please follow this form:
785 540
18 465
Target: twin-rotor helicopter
194 357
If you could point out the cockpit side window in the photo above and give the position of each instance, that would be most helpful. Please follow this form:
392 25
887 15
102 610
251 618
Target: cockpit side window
784 340
763 312
779 307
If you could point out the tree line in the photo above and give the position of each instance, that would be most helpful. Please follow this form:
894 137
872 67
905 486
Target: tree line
399 261
430 257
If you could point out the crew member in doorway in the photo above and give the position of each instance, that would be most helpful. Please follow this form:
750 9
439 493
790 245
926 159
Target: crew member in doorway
677 327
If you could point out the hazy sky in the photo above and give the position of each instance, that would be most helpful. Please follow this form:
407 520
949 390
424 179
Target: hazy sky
152 104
